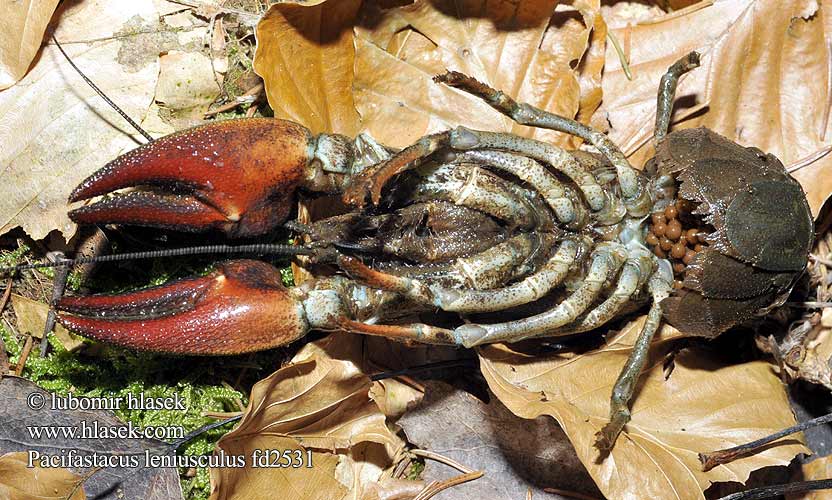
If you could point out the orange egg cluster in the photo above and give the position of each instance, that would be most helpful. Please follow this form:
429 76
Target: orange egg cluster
671 240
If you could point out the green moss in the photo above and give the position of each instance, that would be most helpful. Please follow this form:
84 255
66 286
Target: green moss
114 372
13 257
417 466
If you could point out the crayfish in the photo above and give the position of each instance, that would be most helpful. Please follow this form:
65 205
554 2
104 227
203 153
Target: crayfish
463 221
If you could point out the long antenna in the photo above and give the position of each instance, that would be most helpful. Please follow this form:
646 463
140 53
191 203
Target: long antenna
103 96
258 248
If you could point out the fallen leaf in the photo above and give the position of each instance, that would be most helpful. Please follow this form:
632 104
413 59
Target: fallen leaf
58 131
705 405
319 402
31 318
394 489
765 76
516 455
19 412
23 25
21 481
535 51
76 132
526 49
305 56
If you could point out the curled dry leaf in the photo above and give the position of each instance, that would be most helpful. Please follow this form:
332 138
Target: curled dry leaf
319 402
19 481
766 77
811 360
318 70
704 405
21 32
526 49
74 131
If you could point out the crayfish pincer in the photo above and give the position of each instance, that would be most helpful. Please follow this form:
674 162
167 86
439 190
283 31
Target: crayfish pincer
468 222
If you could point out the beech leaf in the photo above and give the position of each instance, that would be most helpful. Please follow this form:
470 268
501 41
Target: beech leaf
318 402
54 129
704 405
765 77
24 23
19 481
337 68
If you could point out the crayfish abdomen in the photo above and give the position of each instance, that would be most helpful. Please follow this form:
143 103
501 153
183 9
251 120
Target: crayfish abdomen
757 224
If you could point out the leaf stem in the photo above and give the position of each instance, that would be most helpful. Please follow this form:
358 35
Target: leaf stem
625 64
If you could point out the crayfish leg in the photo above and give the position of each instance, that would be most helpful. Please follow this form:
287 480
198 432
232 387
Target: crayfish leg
409 333
622 392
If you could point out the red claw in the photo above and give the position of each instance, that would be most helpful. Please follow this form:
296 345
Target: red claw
240 307
238 176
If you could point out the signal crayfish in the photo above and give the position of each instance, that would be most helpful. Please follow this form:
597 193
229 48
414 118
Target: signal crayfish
466 222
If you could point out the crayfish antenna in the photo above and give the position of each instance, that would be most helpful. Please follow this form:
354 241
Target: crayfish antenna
102 94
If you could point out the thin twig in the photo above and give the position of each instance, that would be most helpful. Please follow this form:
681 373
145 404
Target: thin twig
4 358
21 363
711 460
221 414
622 57
777 490
437 486
442 459
6 294
58 288
243 99
808 160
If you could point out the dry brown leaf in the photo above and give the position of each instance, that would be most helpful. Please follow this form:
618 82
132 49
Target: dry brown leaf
317 74
18 481
305 56
303 483
31 318
54 129
516 455
704 405
319 402
819 468
21 32
508 45
765 75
